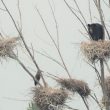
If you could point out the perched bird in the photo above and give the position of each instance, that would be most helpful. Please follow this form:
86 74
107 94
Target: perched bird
96 31
37 77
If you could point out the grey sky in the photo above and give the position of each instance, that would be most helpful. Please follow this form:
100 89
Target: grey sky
14 81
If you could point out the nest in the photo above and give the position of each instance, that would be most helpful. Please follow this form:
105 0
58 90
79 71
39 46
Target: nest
96 50
48 97
7 45
74 85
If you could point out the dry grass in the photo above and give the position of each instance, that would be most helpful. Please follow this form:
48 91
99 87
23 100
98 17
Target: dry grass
74 85
7 45
96 50
44 97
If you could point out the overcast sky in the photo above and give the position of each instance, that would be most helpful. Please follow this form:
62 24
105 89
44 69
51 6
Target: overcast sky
15 84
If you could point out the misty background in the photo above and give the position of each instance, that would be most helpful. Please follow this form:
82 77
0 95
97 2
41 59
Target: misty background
15 83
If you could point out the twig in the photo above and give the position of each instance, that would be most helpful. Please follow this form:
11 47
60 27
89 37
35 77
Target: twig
66 69
80 12
76 16
97 72
15 99
85 102
24 67
2 9
21 36
96 100
98 6
108 5
51 75
56 24
49 57
89 2
20 15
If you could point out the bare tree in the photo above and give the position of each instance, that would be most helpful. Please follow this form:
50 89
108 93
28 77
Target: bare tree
46 97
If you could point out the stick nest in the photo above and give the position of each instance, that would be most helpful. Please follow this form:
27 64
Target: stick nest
96 50
74 85
7 45
45 97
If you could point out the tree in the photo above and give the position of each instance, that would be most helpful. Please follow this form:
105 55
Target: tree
96 52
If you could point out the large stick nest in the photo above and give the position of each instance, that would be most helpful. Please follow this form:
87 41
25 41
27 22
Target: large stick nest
45 97
96 50
7 45
74 85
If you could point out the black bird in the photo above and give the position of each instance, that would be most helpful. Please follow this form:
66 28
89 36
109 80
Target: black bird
96 31
37 77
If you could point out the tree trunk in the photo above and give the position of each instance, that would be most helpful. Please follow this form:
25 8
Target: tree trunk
105 97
